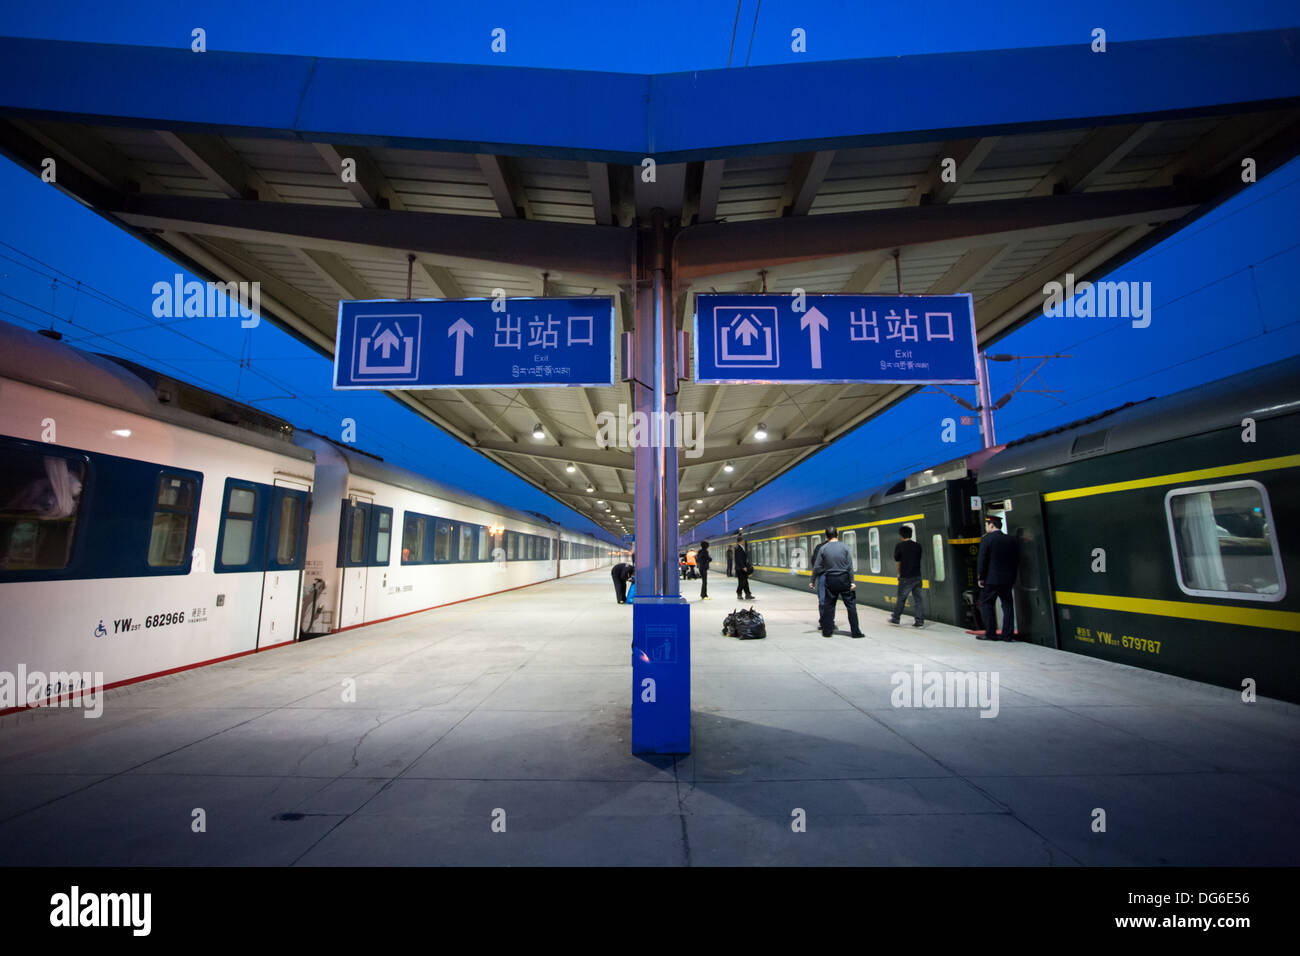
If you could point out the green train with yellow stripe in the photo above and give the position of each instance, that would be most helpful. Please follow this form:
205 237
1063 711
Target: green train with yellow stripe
1162 534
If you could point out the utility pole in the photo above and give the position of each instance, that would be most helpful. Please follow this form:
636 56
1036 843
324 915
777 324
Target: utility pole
983 389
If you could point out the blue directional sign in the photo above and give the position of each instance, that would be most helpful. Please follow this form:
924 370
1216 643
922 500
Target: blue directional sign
835 338
474 343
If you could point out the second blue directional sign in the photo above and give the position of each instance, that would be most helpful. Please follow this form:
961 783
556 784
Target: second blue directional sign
474 343
835 338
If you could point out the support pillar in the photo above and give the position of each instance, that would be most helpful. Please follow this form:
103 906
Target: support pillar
661 624
985 399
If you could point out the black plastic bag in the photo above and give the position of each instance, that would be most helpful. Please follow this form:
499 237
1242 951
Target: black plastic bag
747 625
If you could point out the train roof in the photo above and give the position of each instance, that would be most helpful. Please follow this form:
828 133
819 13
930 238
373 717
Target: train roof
909 486
45 362
1261 393
366 465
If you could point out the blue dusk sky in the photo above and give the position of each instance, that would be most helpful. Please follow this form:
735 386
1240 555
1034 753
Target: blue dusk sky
1219 287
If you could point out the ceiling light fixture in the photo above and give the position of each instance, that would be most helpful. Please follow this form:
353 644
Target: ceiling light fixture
760 432
709 489
538 432
570 467
728 467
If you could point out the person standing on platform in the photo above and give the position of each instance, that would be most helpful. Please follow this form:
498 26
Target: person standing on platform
729 557
621 573
818 582
999 559
743 570
702 561
907 554
835 564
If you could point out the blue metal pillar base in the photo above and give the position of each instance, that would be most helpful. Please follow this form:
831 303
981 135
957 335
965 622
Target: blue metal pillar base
661 675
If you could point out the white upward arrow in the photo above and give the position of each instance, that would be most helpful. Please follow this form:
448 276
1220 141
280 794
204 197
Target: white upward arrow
816 323
460 328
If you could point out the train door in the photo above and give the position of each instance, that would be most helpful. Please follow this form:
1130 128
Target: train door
286 543
354 530
1032 594
379 545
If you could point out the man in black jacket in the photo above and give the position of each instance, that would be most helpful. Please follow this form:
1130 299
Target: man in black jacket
907 553
621 573
999 559
818 582
835 564
743 568
702 561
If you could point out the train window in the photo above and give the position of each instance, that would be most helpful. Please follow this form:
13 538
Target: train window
173 514
467 535
441 540
286 546
512 545
357 534
40 502
1224 543
413 539
782 555
873 546
850 540
799 560
484 544
936 548
383 534
237 529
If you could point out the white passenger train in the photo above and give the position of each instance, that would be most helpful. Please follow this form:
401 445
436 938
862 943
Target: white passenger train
148 526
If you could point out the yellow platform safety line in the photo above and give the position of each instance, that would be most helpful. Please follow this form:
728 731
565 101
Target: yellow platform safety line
843 528
1263 464
865 578
963 540
1191 610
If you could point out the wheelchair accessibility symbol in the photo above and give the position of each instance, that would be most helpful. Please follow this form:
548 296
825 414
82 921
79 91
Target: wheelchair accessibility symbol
746 337
387 347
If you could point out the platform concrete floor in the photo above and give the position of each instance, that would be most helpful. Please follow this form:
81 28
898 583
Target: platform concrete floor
516 708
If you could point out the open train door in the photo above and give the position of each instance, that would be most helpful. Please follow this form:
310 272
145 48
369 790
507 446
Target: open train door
1022 518
286 546
354 538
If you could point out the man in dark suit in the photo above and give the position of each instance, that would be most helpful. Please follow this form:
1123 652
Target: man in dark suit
740 555
998 561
